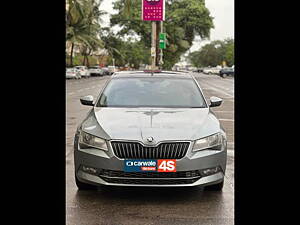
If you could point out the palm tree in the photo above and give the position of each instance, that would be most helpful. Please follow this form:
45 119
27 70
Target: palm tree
83 25
128 4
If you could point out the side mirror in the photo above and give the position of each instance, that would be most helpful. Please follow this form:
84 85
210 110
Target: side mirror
215 101
87 100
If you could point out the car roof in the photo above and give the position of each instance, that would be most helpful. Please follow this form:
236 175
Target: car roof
149 73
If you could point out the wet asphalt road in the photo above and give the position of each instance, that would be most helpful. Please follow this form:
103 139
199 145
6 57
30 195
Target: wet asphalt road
149 206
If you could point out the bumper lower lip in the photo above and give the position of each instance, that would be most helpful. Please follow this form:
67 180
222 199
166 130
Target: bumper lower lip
96 180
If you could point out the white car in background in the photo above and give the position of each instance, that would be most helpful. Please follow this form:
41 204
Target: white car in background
211 70
72 73
111 69
105 70
83 70
96 70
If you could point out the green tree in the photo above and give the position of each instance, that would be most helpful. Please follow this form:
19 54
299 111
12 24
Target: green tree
136 53
214 54
184 20
125 52
113 45
229 54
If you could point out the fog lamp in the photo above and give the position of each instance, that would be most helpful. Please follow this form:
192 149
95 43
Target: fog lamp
90 170
210 171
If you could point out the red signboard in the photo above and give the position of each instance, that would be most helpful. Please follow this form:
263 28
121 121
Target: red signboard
153 10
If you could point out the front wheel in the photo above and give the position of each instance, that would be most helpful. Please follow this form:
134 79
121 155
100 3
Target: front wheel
215 187
84 186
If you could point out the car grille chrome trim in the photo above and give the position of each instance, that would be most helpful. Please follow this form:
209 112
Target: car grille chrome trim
136 150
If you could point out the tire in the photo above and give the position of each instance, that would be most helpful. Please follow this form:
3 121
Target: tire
84 186
224 75
215 187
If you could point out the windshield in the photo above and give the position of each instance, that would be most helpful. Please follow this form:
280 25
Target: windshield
94 67
152 92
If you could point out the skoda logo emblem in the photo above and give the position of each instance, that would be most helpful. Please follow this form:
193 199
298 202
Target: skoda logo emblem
150 139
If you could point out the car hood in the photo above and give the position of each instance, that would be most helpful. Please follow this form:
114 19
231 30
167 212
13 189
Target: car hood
141 123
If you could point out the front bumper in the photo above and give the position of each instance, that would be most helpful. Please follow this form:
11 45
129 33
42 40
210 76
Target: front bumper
108 161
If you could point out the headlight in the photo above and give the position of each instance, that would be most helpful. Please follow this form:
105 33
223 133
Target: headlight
214 140
87 141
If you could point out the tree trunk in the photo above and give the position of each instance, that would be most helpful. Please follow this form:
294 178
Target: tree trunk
71 56
87 61
87 58
83 62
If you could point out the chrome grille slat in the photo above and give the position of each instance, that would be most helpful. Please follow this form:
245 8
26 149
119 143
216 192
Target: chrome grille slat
123 150
139 152
135 150
127 151
120 150
165 151
186 146
176 148
170 151
131 150
180 147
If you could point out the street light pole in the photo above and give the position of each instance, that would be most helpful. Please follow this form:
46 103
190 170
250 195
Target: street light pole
161 50
153 45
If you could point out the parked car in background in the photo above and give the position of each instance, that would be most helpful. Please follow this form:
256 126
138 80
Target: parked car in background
207 71
96 71
111 70
105 71
227 71
72 73
83 70
211 70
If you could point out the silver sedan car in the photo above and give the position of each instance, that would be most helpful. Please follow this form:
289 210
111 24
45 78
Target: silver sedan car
150 129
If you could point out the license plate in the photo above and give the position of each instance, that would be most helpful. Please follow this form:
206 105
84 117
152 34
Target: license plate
150 165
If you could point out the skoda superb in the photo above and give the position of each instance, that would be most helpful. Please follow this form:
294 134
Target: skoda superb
150 129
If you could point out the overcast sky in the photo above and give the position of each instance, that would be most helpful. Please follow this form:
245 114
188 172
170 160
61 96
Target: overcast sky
221 10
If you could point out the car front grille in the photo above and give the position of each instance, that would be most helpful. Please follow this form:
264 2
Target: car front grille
120 177
135 150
